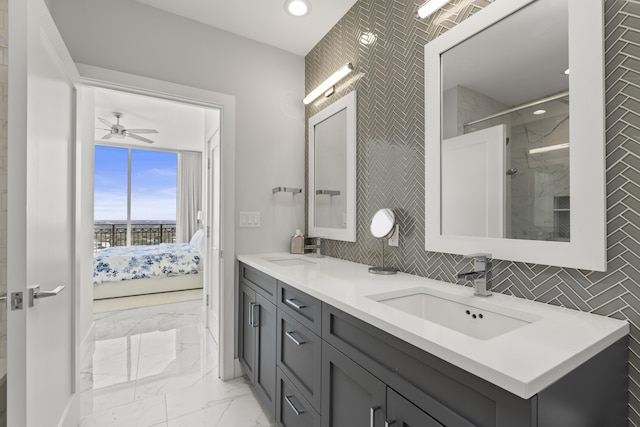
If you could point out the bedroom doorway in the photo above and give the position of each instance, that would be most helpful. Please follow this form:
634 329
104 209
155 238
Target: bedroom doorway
94 78
150 198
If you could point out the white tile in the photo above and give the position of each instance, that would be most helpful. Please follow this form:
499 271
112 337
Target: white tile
115 361
176 372
202 396
143 413
112 397
244 411
207 417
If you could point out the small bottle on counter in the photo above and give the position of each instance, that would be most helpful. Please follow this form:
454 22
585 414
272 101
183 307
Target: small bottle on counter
297 243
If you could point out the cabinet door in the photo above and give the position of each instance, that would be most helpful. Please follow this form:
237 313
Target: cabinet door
265 364
402 413
247 336
351 396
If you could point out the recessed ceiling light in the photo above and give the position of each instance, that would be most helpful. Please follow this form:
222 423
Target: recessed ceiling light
538 112
297 7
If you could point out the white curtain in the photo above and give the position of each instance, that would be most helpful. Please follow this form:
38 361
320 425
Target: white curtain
189 194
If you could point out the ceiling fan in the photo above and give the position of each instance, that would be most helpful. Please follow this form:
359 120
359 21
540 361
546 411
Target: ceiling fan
120 131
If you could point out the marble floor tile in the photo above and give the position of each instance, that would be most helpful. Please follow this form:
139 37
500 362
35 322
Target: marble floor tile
241 411
205 395
143 413
156 366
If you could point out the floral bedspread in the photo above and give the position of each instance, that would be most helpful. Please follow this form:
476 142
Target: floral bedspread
141 262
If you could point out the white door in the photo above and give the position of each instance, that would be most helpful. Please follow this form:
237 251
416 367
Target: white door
213 224
41 352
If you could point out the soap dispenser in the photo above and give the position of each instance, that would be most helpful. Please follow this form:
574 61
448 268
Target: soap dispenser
297 243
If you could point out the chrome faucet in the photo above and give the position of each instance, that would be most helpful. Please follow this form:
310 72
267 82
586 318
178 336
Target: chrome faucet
481 274
317 247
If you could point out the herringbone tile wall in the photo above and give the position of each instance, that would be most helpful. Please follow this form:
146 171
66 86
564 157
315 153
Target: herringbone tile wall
389 80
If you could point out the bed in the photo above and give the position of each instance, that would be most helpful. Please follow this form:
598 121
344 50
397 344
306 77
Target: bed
137 270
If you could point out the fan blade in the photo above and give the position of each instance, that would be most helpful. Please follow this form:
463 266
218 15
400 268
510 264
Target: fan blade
142 131
108 136
105 122
140 138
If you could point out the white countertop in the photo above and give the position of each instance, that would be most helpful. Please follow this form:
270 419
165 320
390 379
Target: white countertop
523 361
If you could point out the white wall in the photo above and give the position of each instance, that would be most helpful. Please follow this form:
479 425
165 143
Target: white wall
268 84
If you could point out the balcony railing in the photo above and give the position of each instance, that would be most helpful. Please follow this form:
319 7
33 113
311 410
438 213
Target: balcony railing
108 235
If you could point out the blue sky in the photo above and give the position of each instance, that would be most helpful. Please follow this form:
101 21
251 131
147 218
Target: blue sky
153 184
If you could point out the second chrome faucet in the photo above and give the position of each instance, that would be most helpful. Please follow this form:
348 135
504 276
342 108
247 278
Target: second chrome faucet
481 274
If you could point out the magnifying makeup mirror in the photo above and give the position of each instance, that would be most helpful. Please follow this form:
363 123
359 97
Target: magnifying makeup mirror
383 224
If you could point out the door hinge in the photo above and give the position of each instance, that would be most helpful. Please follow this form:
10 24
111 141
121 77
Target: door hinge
207 302
209 163
221 254
17 300
208 231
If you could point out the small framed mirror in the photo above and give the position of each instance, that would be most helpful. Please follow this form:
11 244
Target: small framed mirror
514 142
332 171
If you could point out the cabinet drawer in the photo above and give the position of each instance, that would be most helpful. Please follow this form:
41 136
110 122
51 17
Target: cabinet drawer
259 281
292 409
299 352
302 307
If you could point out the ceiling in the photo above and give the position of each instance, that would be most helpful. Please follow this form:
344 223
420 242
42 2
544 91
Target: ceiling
263 20
179 126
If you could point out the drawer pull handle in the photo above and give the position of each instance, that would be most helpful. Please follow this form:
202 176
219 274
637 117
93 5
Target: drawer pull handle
292 302
372 415
292 338
389 423
296 410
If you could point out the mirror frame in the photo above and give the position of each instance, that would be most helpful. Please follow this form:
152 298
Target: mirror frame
348 234
587 246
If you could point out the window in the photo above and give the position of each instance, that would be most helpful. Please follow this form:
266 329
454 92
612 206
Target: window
134 196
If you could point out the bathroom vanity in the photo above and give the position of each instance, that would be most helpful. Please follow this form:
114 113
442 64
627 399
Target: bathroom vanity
327 344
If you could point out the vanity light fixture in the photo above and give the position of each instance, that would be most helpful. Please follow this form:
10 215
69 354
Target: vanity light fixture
297 7
329 83
539 112
430 7
549 148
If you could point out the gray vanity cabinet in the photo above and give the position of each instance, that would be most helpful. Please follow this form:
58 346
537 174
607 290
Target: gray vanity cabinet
257 332
351 396
315 365
402 413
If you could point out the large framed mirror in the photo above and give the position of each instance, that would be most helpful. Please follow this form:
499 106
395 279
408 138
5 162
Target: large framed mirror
332 171
515 146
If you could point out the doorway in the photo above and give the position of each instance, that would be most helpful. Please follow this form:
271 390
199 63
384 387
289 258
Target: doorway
223 166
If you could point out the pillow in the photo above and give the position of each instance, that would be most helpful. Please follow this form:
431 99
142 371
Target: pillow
197 241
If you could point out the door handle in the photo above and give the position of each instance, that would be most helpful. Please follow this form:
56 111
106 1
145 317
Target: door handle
35 294
255 320
372 415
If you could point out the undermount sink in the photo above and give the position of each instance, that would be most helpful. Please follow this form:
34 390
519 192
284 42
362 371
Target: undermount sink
482 321
290 261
